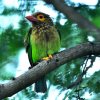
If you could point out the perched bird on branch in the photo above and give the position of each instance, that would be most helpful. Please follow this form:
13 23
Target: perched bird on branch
41 42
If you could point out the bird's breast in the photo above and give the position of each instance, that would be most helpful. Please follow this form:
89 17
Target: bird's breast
43 33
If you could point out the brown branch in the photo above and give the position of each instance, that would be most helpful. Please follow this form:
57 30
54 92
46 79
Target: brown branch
75 16
31 76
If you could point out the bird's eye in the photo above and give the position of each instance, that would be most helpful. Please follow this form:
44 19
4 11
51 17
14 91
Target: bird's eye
40 17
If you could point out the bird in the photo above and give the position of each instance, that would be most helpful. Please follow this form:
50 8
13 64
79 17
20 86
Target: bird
41 42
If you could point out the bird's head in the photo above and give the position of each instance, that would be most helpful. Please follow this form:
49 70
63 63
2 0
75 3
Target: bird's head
39 18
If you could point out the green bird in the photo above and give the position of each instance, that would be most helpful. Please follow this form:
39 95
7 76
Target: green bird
41 42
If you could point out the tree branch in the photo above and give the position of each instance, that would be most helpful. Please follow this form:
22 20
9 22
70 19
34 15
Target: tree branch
31 76
75 16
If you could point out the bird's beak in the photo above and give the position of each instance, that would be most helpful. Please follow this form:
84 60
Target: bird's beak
31 18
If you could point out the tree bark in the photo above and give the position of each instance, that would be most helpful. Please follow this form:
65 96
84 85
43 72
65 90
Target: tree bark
44 67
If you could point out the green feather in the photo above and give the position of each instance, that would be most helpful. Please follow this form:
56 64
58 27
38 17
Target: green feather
41 46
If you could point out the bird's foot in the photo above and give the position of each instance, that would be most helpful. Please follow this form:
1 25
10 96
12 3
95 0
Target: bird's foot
47 58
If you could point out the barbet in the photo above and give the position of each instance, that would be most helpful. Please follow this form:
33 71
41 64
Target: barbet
41 42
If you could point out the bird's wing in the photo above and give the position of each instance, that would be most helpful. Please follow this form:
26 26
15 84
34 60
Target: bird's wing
27 39
28 46
58 32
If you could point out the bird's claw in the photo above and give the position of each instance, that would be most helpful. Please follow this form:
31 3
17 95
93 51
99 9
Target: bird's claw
47 58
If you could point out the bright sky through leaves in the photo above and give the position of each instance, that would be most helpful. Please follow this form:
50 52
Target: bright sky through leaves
87 2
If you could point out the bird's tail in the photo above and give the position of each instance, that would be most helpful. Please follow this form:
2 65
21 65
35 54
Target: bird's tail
40 85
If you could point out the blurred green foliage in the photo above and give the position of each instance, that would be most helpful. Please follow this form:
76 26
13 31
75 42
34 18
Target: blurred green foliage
11 42
94 82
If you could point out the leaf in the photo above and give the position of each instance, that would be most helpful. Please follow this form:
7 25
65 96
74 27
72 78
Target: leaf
94 82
